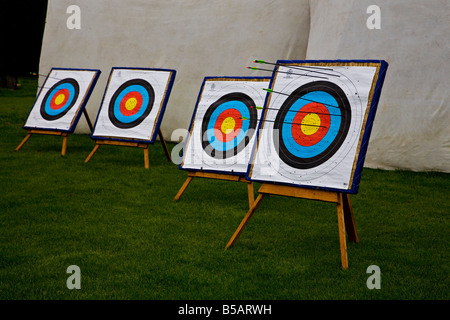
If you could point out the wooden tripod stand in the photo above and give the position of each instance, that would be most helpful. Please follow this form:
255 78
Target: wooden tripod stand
220 176
99 142
64 134
346 221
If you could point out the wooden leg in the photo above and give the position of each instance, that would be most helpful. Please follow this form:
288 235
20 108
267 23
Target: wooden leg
23 141
244 222
146 161
349 219
183 187
88 119
163 142
64 145
92 153
251 194
342 238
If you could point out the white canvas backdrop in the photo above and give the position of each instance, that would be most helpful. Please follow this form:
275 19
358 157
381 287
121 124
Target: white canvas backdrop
411 128
201 38
197 38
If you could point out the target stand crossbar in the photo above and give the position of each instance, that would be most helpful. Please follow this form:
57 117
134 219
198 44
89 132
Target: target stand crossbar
64 134
346 221
99 142
219 176
47 132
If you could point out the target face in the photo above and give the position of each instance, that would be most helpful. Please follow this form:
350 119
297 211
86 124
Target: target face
224 124
134 104
59 99
229 124
312 132
312 124
62 98
131 103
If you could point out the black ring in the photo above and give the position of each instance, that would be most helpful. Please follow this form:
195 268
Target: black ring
250 104
151 95
306 163
76 87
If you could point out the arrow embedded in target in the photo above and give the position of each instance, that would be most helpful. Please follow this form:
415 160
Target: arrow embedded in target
305 68
299 111
291 73
295 123
287 94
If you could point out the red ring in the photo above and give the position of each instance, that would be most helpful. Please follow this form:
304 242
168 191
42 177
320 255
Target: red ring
237 117
308 140
53 104
129 95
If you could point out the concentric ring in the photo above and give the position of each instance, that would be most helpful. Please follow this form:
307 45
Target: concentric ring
312 124
59 99
228 125
131 103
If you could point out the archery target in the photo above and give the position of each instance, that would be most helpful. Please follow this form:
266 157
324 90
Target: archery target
313 123
134 103
228 125
131 103
224 124
61 99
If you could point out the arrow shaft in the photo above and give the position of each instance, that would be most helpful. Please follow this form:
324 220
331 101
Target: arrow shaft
295 123
329 114
292 73
300 68
286 94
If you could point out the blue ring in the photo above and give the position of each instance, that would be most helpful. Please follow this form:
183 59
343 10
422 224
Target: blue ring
335 122
223 146
145 100
53 112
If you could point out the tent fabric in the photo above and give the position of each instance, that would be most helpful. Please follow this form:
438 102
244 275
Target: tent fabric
201 38
411 129
197 38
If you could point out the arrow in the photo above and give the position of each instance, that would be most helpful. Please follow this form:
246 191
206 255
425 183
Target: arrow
298 74
295 123
299 68
286 94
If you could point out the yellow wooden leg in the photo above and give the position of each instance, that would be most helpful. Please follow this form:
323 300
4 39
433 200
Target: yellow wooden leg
92 152
342 239
23 141
146 161
64 145
244 222
251 194
183 187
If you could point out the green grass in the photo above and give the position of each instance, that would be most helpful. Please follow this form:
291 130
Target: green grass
118 222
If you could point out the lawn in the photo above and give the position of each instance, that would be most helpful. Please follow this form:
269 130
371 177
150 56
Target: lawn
118 222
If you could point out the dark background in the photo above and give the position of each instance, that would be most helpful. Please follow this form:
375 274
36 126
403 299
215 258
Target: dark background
22 27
